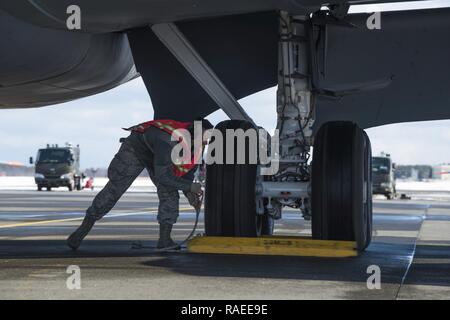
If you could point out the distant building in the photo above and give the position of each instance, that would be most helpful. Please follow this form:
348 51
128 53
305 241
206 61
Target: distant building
15 169
416 172
441 172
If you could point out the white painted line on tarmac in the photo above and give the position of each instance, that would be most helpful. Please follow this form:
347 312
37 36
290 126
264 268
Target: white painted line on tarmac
113 215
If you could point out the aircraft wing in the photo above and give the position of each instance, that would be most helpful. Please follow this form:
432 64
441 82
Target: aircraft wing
373 77
407 59
118 15
398 73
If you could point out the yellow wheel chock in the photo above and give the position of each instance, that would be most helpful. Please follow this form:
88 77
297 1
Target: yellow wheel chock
274 246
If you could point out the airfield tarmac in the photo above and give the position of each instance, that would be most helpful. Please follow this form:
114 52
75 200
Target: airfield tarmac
411 245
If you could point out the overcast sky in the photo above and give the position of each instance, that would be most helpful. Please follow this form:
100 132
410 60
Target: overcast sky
95 123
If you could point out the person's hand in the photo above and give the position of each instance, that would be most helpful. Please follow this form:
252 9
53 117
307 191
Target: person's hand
196 188
194 200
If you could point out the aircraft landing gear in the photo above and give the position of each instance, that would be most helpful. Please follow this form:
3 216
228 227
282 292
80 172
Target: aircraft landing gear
334 192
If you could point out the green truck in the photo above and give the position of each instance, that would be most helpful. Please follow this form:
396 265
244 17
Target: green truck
58 167
383 176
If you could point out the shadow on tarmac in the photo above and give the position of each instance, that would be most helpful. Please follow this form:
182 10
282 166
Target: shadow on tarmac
431 263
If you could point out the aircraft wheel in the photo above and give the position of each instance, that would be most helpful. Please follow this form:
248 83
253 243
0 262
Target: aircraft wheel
230 206
49 188
341 184
39 188
369 192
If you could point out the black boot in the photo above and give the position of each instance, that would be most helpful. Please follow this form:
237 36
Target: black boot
75 238
165 241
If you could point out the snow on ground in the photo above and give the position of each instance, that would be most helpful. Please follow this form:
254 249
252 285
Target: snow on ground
431 190
27 183
145 185
430 185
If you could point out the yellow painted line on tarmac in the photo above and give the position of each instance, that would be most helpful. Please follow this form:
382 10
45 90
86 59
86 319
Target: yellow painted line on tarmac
26 224
35 223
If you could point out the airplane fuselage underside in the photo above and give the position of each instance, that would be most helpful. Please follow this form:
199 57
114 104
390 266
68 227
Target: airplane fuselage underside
396 74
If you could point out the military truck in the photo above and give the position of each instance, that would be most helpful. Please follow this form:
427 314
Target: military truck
383 176
58 167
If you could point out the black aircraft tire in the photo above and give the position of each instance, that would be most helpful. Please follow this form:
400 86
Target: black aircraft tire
339 171
230 207
369 203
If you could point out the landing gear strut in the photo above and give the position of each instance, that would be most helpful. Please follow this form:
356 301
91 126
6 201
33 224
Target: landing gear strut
339 201
337 185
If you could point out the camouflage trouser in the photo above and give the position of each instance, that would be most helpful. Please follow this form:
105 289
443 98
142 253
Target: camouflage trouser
123 170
